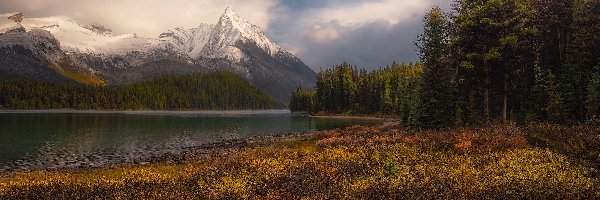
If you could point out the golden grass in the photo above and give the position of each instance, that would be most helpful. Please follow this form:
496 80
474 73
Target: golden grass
354 163
84 78
80 77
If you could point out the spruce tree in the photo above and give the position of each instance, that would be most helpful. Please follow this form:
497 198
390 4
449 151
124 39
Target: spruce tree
436 100
592 103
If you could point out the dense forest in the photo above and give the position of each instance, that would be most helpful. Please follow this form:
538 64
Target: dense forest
345 89
485 61
215 91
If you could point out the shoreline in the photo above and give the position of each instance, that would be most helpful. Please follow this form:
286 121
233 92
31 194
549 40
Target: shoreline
187 155
177 154
351 117
75 111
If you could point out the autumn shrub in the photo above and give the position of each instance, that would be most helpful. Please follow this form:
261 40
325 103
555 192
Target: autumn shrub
362 162
353 163
144 183
399 171
496 138
580 141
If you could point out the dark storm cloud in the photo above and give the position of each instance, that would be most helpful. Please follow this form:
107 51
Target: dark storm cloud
322 36
371 46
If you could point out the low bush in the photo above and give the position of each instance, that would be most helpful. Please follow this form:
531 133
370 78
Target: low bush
577 141
353 163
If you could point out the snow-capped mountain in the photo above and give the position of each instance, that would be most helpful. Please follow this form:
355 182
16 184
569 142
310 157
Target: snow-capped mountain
75 37
190 42
10 22
230 30
233 44
33 53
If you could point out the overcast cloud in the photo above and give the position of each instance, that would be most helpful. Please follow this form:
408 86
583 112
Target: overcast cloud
367 33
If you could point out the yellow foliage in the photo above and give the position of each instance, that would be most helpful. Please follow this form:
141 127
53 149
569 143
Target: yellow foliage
80 77
354 163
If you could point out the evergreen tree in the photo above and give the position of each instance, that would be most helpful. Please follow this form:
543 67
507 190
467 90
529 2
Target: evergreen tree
583 54
555 104
436 82
593 97
490 60
304 100
221 90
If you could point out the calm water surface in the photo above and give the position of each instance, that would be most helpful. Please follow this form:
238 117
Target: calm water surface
56 139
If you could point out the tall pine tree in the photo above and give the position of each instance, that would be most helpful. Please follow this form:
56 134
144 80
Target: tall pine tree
436 82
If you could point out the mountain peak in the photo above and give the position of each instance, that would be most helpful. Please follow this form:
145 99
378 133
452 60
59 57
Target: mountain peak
232 29
15 16
230 17
234 44
228 10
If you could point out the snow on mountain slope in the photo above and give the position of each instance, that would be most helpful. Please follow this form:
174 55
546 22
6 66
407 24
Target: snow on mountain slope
39 41
32 46
7 25
232 29
189 42
75 37
9 22
233 44
14 16
204 41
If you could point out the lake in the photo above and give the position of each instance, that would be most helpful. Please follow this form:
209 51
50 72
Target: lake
31 140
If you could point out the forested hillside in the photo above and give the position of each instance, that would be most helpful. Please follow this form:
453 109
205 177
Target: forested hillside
485 61
220 91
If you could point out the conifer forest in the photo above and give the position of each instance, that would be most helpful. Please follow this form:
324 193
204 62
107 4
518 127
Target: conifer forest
484 61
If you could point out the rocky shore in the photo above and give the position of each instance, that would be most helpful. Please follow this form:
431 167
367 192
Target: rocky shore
52 161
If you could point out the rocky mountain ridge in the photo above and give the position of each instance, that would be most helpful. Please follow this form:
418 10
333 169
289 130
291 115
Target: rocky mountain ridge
63 45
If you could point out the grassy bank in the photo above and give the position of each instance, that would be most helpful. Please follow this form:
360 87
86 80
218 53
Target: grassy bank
357 162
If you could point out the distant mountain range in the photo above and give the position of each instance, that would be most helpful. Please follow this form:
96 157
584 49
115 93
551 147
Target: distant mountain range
58 49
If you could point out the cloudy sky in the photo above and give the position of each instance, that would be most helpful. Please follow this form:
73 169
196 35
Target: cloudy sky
367 33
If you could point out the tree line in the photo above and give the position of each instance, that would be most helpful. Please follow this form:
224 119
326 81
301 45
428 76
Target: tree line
493 60
215 91
345 89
